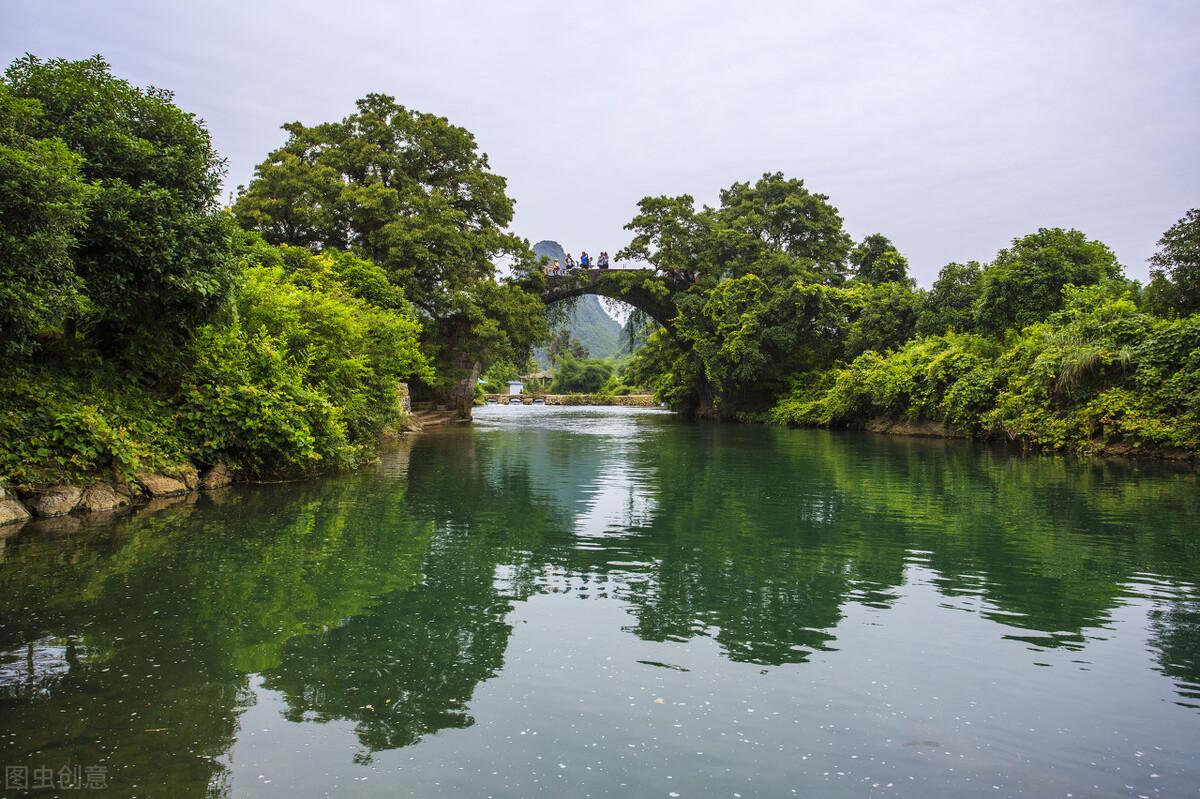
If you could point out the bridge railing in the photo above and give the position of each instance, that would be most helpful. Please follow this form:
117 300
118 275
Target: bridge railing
563 272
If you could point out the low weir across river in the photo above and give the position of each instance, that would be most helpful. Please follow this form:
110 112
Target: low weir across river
628 400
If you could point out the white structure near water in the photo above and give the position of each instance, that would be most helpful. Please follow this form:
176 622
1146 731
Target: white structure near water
515 387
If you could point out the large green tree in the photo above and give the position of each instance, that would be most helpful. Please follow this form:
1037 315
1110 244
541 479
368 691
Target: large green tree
755 279
881 317
876 260
774 227
155 238
1025 283
411 192
1177 263
950 303
42 210
775 216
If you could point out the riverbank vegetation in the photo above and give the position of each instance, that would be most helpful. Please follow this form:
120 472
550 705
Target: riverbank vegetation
1048 344
144 327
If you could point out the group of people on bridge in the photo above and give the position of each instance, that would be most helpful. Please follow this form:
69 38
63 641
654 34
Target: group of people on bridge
585 262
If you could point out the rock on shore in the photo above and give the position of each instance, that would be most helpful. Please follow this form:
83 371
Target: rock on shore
58 500
161 485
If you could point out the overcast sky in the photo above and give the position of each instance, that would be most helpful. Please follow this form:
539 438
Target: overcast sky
950 127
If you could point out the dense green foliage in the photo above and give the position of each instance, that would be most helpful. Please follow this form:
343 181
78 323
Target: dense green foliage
1024 284
299 374
1097 374
580 375
142 330
306 372
1175 283
410 192
876 260
1048 344
775 228
154 237
950 303
42 210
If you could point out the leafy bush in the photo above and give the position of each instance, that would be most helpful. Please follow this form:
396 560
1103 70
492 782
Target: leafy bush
306 373
74 419
1102 372
247 404
946 379
299 376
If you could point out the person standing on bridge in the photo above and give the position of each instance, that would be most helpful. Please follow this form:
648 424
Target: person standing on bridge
584 260
570 264
602 261
554 270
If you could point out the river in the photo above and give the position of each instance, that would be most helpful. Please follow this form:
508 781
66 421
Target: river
613 602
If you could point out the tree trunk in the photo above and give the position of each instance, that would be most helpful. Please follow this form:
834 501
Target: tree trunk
463 393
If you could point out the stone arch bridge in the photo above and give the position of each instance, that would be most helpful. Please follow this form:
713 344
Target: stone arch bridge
650 293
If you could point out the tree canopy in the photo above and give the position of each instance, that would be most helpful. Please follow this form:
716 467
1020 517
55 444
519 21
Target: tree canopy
1024 284
950 303
410 192
43 208
1177 263
154 236
774 227
876 260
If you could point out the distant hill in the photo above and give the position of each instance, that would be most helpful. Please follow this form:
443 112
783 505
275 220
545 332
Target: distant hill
550 249
589 322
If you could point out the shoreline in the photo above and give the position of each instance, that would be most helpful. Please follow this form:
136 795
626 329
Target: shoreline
71 505
105 496
918 428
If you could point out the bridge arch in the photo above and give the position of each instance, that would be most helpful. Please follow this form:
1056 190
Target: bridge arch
644 289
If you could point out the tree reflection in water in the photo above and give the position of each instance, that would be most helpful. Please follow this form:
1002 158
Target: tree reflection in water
384 598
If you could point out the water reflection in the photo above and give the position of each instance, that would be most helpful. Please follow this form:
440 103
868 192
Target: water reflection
385 599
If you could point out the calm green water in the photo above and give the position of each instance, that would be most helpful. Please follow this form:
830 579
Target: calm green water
616 603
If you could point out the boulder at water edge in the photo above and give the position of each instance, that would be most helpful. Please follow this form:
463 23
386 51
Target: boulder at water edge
56 500
159 485
11 510
216 477
100 497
